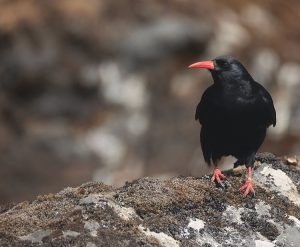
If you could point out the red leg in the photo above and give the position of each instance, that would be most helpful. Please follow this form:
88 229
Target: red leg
217 175
248 186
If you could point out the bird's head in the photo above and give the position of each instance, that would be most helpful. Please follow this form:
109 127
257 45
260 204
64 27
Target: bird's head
224 68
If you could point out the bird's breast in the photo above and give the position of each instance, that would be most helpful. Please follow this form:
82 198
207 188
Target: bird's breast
236 111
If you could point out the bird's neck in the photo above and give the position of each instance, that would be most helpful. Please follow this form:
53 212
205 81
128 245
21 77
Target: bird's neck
231 77
234 75
234 84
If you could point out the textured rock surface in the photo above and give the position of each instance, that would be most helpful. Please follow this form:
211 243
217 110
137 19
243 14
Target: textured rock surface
183 211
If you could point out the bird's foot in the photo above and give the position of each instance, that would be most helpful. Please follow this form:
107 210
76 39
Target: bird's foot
248 186
217 176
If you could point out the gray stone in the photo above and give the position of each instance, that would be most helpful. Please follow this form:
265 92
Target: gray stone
182 211
35 237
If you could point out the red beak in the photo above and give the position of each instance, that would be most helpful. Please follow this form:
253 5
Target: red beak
203 64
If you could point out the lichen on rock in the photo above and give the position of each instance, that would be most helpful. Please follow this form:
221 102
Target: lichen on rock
182 211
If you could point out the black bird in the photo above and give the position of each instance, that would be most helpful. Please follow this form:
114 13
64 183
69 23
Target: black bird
235 113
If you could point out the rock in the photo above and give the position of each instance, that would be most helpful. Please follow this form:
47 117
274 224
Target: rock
37 236
182 211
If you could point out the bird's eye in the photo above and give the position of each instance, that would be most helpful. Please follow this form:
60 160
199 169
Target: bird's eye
223 63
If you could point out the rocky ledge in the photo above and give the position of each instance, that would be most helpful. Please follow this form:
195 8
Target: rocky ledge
182 211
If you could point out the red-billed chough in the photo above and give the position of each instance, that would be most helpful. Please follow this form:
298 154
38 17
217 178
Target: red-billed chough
235 113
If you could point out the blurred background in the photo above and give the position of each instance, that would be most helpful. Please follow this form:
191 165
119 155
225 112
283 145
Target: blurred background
100 90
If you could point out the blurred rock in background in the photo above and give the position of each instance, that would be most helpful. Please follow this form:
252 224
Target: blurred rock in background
100 90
